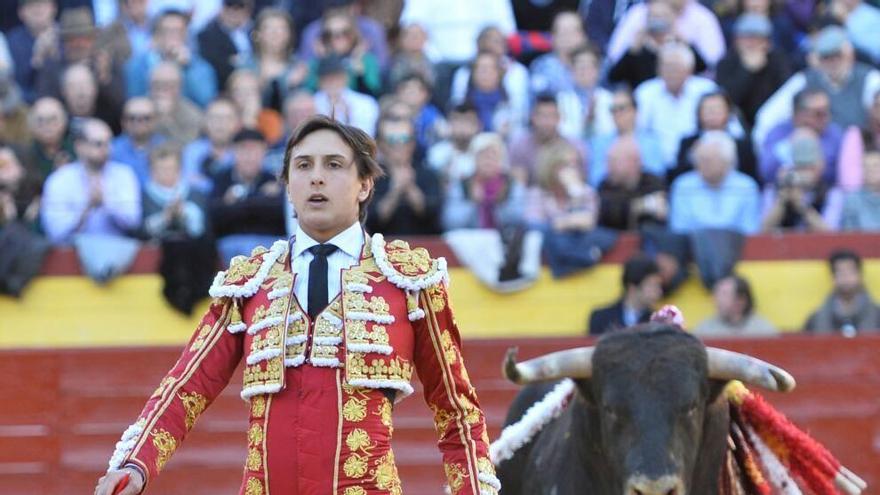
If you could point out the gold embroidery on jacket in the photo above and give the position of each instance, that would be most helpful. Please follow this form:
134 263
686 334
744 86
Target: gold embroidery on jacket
355 301
277 306
258 406
356 276
355 466
356 333
254 459
484 465
408 261
165 445
355 409
261 313
442 419
437 298
385 474
384 413
255 434
324 328
449 349
359 440
194 404
355 490
270 340
264 373
455 476
200 338
278 275
379 306
253 487
396 368
241 269
471 412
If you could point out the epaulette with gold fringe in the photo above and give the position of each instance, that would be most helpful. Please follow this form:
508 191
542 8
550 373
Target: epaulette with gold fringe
407 268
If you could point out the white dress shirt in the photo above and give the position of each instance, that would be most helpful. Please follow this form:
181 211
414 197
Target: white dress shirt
66 199
350 243
669 116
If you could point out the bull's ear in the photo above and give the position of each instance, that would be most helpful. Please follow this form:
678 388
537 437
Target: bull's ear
584 387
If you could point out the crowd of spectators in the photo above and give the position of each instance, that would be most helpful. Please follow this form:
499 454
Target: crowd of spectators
699 121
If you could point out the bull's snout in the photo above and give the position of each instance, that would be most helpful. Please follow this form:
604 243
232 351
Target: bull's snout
665 485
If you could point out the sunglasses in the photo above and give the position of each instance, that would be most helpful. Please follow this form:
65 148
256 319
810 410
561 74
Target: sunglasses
620 108
819 112
329 34
396 139
139 117
97 143
46 119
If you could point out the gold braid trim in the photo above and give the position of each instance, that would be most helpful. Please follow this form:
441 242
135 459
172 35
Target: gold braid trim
217 331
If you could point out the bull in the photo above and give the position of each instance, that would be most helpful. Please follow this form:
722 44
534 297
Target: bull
648 416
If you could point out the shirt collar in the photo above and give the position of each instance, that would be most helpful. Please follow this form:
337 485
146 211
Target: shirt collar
350 241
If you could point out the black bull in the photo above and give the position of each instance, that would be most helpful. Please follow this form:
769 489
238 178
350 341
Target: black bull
648 416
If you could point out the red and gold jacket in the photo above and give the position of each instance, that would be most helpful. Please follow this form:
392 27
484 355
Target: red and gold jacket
392 316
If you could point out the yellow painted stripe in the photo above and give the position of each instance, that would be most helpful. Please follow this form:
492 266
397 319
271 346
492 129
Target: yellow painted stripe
74 312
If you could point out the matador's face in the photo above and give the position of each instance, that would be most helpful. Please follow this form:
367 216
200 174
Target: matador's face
324 186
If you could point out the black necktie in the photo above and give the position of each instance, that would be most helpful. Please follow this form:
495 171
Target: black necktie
318 278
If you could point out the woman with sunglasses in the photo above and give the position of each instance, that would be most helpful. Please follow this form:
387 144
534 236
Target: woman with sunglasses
340 37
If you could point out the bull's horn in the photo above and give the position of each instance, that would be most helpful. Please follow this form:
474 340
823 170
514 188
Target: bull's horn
570 363
729 365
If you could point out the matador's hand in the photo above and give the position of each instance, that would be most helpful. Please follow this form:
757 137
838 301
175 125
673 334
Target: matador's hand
107 483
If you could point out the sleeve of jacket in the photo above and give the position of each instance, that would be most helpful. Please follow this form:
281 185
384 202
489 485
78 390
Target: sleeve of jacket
200 374
460 423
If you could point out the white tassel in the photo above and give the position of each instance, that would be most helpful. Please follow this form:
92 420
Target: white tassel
377 348
364 316
236 327
125 445
490 480
355 287
278 293
295 361
333 319
400 385
253 390
326 362
263 355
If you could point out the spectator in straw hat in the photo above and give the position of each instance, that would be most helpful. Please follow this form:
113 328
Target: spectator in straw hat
78 32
